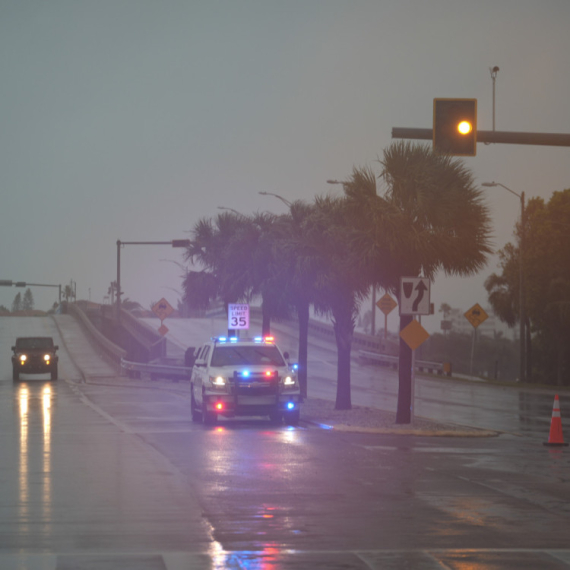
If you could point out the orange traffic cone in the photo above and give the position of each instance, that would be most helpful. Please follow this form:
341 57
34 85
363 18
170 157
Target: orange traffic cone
555 438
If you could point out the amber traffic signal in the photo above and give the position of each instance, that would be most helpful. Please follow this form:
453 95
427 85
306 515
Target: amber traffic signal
455 126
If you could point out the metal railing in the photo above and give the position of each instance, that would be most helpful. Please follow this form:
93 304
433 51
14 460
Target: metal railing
392 361
110 349
155 370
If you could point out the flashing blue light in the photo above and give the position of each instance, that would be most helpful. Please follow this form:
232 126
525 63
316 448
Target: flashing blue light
295 367
246 373
258 339
234 339
222 339
290 405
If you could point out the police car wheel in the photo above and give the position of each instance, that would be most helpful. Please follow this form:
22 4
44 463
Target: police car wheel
196 414
209 418
292 418
276 417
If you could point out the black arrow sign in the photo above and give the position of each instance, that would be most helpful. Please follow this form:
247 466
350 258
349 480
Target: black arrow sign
421 289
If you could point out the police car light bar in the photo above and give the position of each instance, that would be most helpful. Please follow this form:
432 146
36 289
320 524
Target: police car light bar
267 339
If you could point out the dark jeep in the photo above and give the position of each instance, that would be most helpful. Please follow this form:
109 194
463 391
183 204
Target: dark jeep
34 355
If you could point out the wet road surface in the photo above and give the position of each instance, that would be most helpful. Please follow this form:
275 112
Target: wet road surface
112 476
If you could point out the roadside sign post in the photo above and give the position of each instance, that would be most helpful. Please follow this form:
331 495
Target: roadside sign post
414 335
386 304
162 309
415 296
238 317
475 315
414 301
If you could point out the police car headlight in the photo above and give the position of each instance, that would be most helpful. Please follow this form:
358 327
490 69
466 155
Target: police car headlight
218 381
289 381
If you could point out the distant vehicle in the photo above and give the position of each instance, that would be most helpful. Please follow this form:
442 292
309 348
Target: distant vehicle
34 355
243 377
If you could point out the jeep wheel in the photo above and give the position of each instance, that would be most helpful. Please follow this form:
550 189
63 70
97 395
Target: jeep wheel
196 413
15 374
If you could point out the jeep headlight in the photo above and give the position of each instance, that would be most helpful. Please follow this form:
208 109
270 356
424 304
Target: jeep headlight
23 358
47 357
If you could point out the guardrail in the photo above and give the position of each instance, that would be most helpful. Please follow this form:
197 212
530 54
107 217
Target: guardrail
111 350
149 338
392 361
155 370
325 331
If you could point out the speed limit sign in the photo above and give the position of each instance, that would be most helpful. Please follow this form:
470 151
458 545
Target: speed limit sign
238 317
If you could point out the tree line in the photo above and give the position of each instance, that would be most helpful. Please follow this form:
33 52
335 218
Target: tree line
546 290
421 214
21 302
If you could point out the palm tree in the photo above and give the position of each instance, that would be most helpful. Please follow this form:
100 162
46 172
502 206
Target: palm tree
238 254
429 217
329 263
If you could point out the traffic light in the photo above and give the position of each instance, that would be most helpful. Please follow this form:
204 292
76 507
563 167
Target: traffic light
455 126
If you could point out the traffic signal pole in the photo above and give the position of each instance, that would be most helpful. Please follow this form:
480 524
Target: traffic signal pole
120 244
498 137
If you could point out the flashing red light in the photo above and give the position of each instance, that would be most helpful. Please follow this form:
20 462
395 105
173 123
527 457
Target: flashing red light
269 339
269 373
219 406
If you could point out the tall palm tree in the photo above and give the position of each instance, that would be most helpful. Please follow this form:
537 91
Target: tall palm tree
329 261
428 217
237 253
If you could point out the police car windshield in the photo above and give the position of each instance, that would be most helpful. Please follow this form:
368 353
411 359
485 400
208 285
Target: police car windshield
246 355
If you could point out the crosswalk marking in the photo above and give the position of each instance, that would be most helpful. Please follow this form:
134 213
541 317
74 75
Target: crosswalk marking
430 559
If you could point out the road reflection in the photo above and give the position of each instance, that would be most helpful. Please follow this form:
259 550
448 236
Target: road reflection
270 462
34 402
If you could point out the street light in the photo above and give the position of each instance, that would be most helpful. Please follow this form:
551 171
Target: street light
286 202
232 210
120 244
522 339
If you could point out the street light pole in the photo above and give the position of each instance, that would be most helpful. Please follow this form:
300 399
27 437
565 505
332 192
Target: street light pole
522 317
173 243
286 202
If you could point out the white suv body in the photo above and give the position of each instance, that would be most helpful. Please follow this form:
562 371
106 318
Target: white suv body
244 377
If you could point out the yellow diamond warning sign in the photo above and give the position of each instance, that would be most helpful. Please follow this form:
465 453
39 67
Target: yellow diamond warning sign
414 334
162 309
476 315
386 304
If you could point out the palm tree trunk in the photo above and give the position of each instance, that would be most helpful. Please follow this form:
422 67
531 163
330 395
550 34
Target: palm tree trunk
303 316
403 413
528 352
344 331
265 320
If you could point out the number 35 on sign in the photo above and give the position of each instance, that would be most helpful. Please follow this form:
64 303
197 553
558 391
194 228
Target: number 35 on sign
238 317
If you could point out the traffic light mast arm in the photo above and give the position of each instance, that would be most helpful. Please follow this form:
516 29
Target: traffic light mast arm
498 137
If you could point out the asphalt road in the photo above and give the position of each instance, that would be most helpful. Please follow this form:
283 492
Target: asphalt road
113 474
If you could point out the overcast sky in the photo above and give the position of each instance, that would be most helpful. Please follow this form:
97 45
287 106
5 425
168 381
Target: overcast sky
132 119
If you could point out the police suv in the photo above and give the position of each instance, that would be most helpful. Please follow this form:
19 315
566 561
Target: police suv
244 377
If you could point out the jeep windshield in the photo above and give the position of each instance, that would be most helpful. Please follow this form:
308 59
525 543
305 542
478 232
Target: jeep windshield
34 343
246 356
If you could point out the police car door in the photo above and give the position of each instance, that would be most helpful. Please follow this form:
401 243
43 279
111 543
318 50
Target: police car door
200 372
